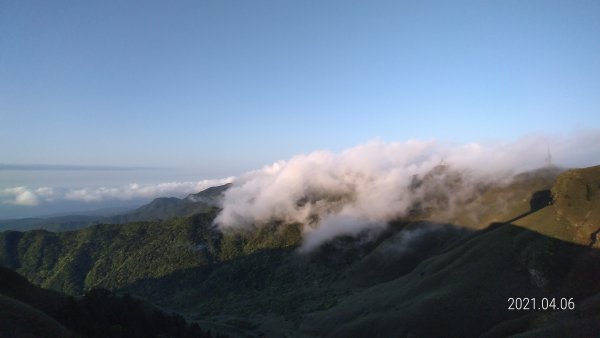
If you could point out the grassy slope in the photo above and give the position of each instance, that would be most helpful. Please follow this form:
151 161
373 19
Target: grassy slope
500 203
255 281
577 198
464 290
575 213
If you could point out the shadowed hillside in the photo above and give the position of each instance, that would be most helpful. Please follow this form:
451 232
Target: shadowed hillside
29 311
415 278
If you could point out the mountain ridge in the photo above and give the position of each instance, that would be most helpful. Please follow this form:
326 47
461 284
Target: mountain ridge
254 282
160 208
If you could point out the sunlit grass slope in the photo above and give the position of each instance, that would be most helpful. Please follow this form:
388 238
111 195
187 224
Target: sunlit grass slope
417 278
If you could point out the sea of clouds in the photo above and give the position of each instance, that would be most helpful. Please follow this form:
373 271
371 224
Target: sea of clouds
25 196
334 193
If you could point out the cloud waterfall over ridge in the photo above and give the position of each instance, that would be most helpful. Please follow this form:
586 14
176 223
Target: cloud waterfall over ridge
368 185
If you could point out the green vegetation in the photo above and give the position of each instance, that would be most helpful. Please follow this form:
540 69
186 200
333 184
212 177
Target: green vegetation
109 256
416 278
577 198
29 311
159 209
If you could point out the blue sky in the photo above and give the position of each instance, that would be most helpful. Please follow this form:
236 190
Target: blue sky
222 87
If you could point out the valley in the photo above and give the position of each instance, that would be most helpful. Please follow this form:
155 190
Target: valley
455 270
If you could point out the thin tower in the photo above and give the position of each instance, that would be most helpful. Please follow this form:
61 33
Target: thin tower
548 159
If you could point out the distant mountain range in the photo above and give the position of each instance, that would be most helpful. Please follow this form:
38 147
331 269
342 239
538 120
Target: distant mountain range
429 274
168 207
159 209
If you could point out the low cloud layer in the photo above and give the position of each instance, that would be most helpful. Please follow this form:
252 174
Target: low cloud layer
68 167
345 193
368 185
25 196
19 196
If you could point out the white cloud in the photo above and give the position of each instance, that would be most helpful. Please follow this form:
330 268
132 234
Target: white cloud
33 197
19 196
45 192
135 190
366 186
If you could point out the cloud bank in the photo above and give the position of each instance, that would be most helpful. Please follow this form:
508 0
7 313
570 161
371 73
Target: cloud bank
348 192
25 196
368 185
68 167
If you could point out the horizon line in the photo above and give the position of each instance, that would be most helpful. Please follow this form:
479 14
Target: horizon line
73 167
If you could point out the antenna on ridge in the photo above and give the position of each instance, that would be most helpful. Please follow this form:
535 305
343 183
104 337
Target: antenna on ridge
548 158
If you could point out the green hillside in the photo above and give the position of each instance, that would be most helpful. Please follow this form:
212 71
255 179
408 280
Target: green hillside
108 255
464 290
25 309
477 204
29 311
159 209
418 278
